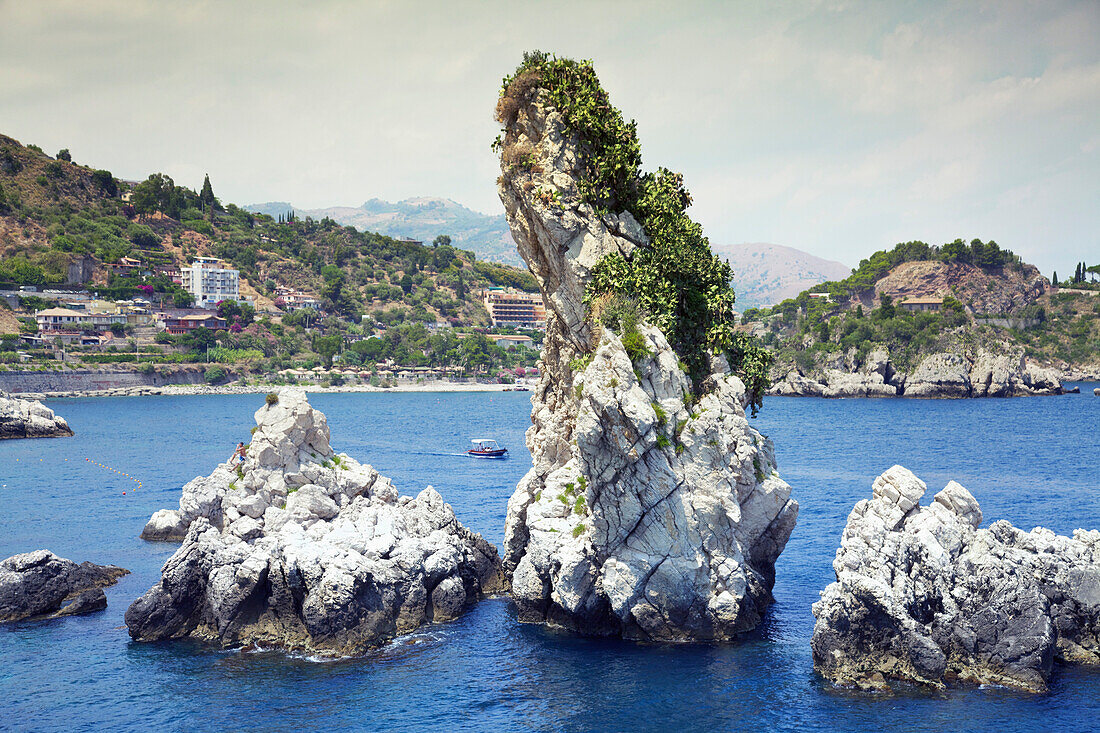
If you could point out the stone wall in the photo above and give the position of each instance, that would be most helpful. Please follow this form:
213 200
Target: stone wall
78 380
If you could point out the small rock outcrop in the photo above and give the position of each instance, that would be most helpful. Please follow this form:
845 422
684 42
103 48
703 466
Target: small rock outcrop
300 548
41 584
984 373
923 594
647 514
29 419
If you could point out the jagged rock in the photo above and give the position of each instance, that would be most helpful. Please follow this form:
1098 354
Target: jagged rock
986 373
29 419
924 595
305 549
644 515
843 377
89 601
38 583
940 375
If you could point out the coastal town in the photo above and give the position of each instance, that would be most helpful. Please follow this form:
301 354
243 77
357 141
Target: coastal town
68 328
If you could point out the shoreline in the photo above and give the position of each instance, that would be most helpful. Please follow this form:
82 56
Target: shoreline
175 390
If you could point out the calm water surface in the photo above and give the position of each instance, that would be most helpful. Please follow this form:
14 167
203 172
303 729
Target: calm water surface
1031 461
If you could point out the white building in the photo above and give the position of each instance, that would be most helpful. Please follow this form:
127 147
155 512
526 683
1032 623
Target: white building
210 281
53 320
292 300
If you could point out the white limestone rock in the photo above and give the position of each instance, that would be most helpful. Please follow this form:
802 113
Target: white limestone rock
986 372
923 594
644 515
304 549
29 419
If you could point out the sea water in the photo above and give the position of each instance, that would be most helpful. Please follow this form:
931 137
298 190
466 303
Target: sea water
1032 461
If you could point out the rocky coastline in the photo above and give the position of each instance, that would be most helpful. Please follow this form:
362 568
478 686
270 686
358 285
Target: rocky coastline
924 595
28 418
646 515
950 375
40 584
233 389
301 548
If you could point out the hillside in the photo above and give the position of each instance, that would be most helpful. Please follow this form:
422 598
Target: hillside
54 211
765 274
64 224
423 218
990 300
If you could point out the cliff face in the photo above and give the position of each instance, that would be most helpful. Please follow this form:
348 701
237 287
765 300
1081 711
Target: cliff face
1003 290
646 514
981 372
925 595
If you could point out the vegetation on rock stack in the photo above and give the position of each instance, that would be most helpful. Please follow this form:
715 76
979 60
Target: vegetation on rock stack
682 287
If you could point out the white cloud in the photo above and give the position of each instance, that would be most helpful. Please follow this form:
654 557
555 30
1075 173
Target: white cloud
836 127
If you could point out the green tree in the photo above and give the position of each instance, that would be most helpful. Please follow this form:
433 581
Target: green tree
206 196
327 347
886 307
229 310
681 285
460 287
106 182
64 155
442 239
201 339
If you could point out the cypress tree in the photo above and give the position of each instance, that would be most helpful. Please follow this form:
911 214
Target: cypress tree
1054 279
207 195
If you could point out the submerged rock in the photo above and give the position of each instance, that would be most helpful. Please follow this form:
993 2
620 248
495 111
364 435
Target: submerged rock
300 548
39 583
29 419
924 595
646 514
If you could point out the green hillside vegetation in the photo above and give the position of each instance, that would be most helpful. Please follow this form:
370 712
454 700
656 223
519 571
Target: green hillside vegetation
53 211
806 331
677 282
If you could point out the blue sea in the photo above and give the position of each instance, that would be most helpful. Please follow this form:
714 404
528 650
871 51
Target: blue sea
1032 461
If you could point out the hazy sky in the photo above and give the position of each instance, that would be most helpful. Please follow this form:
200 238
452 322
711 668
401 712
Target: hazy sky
835 127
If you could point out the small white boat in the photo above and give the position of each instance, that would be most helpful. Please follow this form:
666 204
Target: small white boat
486 448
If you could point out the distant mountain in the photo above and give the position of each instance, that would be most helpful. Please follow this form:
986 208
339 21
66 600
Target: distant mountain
423 218
765 274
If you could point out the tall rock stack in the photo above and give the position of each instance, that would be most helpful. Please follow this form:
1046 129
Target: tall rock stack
649 513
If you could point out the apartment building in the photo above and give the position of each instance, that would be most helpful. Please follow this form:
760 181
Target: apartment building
210 281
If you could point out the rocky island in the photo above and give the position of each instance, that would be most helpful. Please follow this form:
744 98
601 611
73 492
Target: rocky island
29 419
301 548
653 510
923 594
41 584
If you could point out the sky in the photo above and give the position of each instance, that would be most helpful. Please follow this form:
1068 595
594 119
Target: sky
835 127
